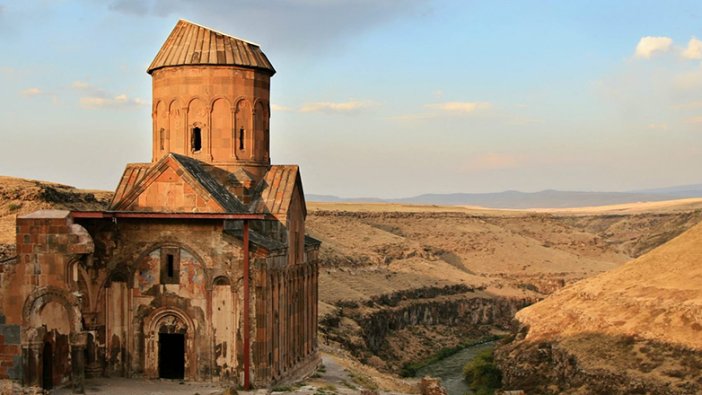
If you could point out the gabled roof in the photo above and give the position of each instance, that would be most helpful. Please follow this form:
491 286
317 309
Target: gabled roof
192 44
188 169
275 191
133 173
229 202
232 191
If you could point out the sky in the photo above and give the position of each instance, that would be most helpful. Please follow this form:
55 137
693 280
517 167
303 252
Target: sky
382 98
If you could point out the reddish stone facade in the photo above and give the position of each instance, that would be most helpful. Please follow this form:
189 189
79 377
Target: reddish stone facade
200 268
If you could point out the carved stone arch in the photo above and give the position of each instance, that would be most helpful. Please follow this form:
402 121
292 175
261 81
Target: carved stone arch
155 105
256 102
191 99
90 298
243 128
75 275
70 273
198 119
172 318
40 297
161 126
122 274
213 99
173 104
221 129
176 125
169 319
239 99
221 280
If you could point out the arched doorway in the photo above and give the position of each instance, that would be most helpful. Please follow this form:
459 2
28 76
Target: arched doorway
47 367
170 346
171 355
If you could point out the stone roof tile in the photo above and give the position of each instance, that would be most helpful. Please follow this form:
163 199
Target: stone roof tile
193 44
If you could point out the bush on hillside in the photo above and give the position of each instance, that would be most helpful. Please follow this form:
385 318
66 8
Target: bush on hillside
481 373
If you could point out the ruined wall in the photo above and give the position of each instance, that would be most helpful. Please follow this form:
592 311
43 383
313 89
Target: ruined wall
41 314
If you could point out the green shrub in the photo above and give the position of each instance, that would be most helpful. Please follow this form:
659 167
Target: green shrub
481 373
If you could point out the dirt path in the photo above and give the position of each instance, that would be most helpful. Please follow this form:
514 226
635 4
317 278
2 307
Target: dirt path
120 386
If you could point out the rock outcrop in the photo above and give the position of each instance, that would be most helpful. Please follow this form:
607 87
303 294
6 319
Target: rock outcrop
396 328
431 386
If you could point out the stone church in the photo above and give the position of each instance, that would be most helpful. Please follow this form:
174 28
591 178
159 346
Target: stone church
200 268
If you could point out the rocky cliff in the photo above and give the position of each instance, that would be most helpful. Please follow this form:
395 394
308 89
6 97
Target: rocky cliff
635 329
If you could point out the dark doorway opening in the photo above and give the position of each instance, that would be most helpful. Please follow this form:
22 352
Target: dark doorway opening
47 371
171 355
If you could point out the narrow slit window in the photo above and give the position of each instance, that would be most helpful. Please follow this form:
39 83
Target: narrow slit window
196 139
169 265
241 138
162 138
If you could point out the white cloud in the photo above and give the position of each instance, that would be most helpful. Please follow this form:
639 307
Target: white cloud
658 126
117 101
337 107
420 116
695 120
31 91
693 50
648 46
80 85
460 107
278 107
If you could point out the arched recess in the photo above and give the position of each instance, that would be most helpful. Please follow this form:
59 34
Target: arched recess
78 280
242 130
222 126
161 129
176 127
261 131
31 311
117 295
51 317
196 134
224 327
170 321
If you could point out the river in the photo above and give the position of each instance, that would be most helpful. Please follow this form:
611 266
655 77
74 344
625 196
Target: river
450 369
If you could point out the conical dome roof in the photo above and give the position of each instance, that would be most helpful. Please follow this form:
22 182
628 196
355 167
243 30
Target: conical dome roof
192 44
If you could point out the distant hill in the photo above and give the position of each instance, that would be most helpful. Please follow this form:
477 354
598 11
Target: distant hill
20 196
524 200
634 329
694 190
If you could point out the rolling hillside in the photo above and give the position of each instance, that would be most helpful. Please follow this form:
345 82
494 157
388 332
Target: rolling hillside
640 323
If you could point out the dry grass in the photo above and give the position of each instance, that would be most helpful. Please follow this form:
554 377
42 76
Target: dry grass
657 296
